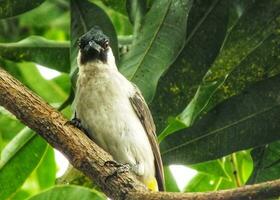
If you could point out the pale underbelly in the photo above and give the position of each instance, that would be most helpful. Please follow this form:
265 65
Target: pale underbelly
113 125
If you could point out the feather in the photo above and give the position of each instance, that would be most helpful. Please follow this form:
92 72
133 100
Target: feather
141 109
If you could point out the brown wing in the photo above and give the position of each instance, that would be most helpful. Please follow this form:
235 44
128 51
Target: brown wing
144 114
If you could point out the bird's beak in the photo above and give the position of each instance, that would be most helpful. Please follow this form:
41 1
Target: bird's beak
95 46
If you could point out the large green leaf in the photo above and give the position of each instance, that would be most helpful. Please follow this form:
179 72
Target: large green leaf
14 172
207 27
11 68
157 45
53 91
242 122
238 167
119 5
64 82
225 184
213 167
20 195
170 182
70 193
260 64
51 20
85 15
244 165
11 8
9 127
266 163
49 15
48 90
136 10
52 54
202 183
258 23
15 145
238 164
46 171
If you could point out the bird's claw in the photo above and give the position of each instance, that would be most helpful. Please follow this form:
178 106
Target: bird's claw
112 163
121 168
77 123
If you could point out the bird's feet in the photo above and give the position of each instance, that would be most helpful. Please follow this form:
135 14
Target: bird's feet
120 168
77 123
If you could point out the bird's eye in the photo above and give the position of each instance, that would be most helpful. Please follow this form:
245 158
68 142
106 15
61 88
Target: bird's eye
106 44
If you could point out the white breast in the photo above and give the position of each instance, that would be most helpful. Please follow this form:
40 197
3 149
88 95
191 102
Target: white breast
103 106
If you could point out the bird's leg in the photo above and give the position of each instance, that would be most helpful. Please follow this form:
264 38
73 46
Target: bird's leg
121 168
76 122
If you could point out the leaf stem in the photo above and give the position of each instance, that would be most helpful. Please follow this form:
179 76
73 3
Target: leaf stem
233 161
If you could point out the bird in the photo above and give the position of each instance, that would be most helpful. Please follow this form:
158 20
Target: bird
113 112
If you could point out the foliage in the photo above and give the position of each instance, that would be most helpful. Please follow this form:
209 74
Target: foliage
209 70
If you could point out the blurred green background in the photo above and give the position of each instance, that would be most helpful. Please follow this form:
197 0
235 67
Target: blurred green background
209 70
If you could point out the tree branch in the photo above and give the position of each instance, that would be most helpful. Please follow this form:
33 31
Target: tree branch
259 191
86 156
81 152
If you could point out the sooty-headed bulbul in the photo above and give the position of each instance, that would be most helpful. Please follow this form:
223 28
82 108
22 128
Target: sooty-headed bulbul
113 111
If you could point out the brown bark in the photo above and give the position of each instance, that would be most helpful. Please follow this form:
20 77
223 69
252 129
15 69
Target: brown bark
81 152
86 156
260 191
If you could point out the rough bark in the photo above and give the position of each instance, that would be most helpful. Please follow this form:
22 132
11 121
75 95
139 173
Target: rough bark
260 191
86 156
81 152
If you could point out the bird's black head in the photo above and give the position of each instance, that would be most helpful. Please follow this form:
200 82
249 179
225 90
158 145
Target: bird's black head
94 45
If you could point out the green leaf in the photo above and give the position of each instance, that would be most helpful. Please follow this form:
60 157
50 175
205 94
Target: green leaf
261 64
202 183
48 90
121 24
49 53
11 8
22 163
235 124
85 15
136 10
9 127
20 195
157 45
266 163
206 30
174 125
225 184
46 171
51 20
116 5
170 182
213 167
245 165
70 193
48 15
64 82
238 167
24 136
248 34
11 68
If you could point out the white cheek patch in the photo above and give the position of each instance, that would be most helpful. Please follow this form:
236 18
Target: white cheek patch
111 58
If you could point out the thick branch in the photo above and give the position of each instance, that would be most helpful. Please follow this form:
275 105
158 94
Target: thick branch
86 156
81 152
260 191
